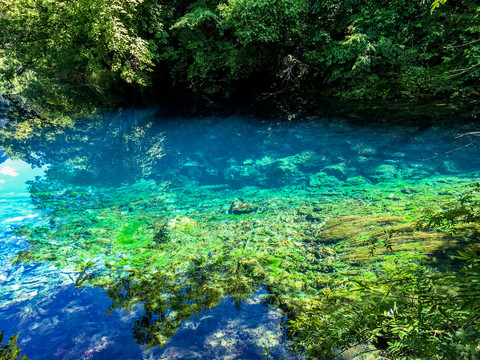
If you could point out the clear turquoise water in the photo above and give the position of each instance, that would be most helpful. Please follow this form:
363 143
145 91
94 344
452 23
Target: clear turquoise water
201 166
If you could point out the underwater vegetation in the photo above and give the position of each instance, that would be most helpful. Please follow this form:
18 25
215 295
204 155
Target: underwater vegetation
179 252
352 239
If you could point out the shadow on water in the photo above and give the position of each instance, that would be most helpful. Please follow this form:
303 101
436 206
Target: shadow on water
182 221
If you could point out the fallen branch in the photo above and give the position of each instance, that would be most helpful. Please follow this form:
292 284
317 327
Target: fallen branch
459 72
465 134
463 45
459 148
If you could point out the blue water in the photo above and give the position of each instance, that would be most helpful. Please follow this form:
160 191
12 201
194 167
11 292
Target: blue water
56 320
235 156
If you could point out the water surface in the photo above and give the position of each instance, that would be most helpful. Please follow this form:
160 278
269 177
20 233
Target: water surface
138 236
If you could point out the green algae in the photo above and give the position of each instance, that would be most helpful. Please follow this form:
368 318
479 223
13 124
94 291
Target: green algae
177 255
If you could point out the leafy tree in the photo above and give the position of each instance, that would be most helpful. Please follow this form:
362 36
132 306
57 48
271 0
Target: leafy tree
10 351
92 43
211 48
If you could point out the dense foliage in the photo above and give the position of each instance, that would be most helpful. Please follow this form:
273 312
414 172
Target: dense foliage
403 308
349 49
10 350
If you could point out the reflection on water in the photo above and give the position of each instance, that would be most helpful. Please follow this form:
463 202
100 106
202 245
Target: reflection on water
182 221
72 324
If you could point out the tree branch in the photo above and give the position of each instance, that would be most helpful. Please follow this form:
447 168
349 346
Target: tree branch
465 134
459 72
463 45
459 148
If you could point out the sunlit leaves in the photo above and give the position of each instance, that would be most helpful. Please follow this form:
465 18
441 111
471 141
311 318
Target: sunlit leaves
195 18
10 350
263 20
464 210
437 3
405 309
379 50
75 39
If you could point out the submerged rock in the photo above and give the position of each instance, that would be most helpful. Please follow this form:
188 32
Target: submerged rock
239 207
243 175
272 172
314 217
447 167
358 181
337 170
306 161
385 172
161 233
321 180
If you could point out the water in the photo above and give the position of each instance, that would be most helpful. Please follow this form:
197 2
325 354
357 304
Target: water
168 238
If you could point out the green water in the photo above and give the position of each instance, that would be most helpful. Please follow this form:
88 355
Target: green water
173 216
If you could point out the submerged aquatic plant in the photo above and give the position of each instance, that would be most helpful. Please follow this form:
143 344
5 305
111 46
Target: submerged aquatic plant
404 308
313 256
337 246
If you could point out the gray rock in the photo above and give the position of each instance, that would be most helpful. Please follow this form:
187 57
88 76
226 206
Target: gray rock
239 207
